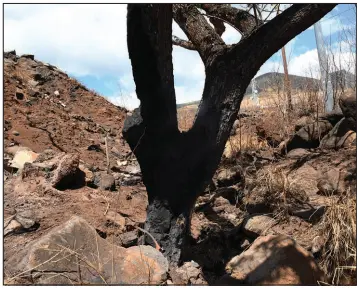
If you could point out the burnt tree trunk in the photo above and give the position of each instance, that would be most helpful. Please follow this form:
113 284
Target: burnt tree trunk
176 167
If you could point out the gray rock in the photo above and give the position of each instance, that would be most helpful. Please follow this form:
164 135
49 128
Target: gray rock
332 139
128 239
104 181
63 248
297 153
309 136
257 225
348 107
229 177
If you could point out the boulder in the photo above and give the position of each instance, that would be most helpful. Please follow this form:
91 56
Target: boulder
297 153
128 239
332 182
348 106
104 181
21 157
189 273
272 260
309 136
73 253
229 177
349 139
257 225
331 140
66 173
333 117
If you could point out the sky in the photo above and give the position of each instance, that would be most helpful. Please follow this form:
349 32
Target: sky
88 42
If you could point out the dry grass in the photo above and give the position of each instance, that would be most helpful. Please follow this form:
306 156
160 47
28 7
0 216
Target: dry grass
338 227
279 191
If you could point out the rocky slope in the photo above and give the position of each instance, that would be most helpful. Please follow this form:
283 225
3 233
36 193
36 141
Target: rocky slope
71 219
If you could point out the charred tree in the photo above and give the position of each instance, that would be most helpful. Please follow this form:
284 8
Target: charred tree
176 167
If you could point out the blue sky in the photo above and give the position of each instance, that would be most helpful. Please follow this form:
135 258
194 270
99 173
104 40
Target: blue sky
88 41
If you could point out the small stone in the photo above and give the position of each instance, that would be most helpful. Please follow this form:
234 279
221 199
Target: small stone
15 133
258 225
317 244
104 181
13 227
56 93
116 219
129 239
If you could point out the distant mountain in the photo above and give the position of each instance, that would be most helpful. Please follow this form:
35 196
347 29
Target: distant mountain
271 80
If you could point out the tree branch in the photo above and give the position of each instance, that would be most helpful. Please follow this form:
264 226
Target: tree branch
182 43
240 19
198 31
150 52
270 37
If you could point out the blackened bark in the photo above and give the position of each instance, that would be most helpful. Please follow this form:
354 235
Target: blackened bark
176 167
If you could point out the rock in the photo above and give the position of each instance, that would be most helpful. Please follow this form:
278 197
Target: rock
12 227
75 243
116 219
332 139
21 157
115 151
244 244
257 225
66 173
333 117
309 212
131 169
273 260
15 133
130 180
297 153
104 181
32 83
28 56
56 93
348 106
188 274
349 139
302 122
14 149
229 177
122 163
331 182
89 176
128 239
26 219
19 95
256 201
309 136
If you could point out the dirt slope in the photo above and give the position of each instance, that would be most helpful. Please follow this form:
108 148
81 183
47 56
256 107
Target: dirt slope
49 109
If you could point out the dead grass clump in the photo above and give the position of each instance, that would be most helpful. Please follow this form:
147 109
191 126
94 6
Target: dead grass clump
280 192
338 227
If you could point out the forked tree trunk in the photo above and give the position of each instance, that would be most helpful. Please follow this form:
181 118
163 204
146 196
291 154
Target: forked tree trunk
176 167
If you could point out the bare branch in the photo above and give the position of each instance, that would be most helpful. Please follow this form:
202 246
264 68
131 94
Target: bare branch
198 31
182 43
240 19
